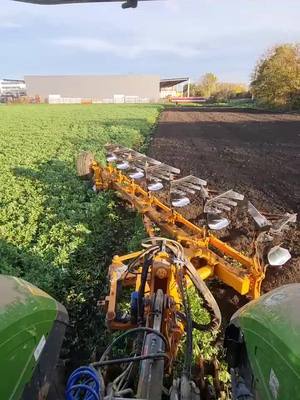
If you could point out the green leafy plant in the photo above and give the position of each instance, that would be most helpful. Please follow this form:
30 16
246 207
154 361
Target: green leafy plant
54 230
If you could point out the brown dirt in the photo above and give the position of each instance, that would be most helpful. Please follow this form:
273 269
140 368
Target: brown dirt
255 153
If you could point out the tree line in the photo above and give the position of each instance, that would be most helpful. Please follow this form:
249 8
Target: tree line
275 81
211 88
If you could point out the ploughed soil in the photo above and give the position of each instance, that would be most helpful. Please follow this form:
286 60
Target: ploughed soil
253 152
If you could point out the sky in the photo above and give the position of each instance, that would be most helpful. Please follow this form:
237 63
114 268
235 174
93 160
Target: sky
171 38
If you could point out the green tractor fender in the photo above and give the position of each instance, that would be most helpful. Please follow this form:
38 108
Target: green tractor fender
32 328
263 345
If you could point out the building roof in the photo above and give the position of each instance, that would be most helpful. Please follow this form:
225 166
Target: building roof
165 83
12 80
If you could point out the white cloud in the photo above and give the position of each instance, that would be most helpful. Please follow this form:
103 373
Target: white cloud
192 44
172 37
133 50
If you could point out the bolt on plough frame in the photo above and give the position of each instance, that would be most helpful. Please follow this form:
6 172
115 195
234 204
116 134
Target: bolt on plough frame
210 256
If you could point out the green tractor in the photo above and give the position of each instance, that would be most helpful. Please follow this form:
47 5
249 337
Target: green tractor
263 347
261 341
32 328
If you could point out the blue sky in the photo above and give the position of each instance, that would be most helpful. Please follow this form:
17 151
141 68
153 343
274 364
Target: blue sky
170 38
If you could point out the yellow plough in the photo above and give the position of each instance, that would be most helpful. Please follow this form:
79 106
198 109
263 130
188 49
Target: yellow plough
160 274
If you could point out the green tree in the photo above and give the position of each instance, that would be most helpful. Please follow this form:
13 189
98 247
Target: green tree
228 90
207 85
193 89
276 78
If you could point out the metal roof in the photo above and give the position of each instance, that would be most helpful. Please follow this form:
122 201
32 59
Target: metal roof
165 83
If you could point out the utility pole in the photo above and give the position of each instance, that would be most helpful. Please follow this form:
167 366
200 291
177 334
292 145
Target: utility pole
188 91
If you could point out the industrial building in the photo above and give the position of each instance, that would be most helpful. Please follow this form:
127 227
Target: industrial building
96 88
102 88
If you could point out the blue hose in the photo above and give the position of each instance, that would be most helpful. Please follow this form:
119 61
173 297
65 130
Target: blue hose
84 384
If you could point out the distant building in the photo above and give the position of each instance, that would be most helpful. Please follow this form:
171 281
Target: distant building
172 87
94 88
12 88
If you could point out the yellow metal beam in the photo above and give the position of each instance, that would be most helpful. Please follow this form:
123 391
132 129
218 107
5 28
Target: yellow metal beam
196 240
241 283
205 272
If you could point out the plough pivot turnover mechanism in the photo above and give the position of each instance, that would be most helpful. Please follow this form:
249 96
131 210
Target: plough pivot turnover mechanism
171 267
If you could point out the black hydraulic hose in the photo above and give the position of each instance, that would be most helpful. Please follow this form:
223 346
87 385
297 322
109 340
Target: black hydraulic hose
199 327
129 359
200 286
133 263
187 366
145 269
134 330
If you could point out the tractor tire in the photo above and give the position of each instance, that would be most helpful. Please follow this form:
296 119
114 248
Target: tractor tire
83 165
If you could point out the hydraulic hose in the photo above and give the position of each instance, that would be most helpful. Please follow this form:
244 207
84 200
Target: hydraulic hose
145 269
130 331
199 284
189 327
127 360
84 384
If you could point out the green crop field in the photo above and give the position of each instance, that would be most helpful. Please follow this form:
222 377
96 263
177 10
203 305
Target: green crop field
54 231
